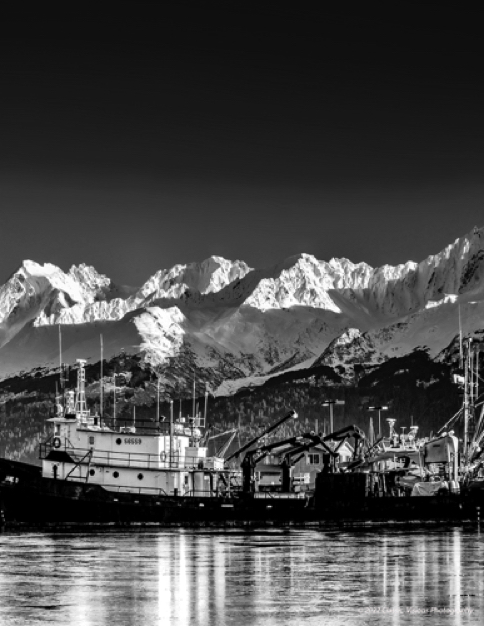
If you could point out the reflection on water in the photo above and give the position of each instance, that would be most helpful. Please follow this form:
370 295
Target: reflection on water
204 578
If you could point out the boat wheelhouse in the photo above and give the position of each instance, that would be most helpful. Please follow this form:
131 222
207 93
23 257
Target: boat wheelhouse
158 458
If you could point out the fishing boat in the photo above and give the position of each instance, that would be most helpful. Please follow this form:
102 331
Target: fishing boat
100 470
96 470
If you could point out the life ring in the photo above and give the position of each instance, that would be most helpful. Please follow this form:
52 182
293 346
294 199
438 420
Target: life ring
57 442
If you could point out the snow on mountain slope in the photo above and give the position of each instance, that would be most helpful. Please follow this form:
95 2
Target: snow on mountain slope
433 328
229 387
457 270
236 321
209 276
299 280
162 333
44 289
352 348
371 296
273 336
82 312
47 295
394 292
301 283
91 283
206 277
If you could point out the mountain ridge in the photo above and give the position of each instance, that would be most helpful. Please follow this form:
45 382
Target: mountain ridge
259 321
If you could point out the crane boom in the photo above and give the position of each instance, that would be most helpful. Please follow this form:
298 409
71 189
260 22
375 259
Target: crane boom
268 430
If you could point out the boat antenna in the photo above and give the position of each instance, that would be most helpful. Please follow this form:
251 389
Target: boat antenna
61 373
101 386
461 349
193 409
171 432
81 405
56 394
206 405
158 397
180 407
477 370
466 402
471 377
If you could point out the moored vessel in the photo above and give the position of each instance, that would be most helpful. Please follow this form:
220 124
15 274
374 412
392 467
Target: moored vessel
97 470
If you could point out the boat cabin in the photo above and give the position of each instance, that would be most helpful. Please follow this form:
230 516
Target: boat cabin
163 458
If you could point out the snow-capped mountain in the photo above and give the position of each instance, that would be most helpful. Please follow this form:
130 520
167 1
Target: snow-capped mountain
226 319
209 276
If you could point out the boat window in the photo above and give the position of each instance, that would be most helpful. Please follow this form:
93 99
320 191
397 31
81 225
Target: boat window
313 459
115 474
118 441
91 441
140 476
91 472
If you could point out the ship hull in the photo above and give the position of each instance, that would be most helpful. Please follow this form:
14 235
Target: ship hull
44 503
32 501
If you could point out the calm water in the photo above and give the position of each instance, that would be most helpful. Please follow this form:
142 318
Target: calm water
193 577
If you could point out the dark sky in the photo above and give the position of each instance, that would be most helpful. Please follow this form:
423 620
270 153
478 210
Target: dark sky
136 140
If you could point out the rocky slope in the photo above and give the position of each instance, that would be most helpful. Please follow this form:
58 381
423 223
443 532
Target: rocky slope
225 321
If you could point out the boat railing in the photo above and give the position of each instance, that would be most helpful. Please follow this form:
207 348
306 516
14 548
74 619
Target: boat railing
141 460
150 491
185 426
147 491
136 460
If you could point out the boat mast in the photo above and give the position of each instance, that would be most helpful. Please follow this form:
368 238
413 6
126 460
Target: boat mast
60 356
466 401
101 388
81 405
193 408
476 433
171 431
61 374
158 399
205 407
461 348
478 351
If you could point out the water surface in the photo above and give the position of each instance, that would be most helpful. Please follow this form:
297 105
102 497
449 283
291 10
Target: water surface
215 578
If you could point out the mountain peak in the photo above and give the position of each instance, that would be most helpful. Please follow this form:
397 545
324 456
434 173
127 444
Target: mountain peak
32 268
254 320
207 276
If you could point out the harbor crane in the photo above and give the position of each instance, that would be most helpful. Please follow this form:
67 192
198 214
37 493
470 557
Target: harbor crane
290 448
269 429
